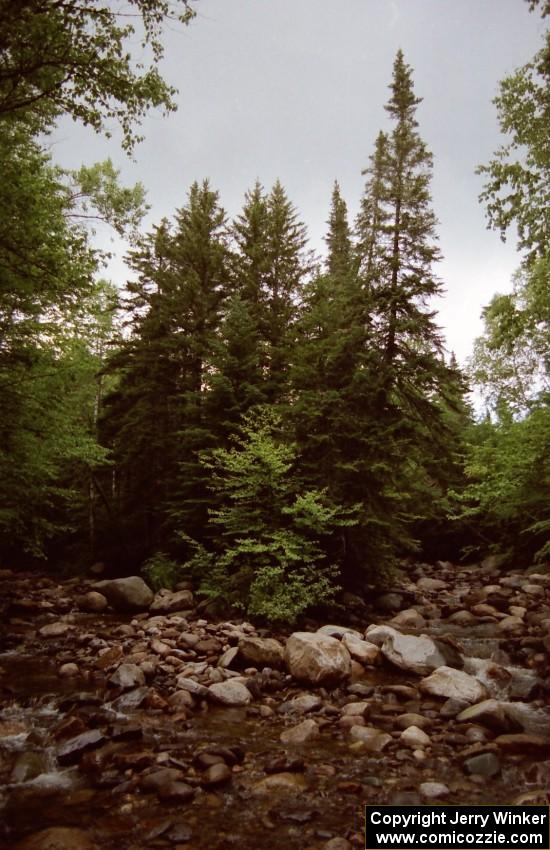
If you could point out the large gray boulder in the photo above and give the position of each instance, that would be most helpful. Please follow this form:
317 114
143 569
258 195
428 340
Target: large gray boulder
317 659
126 594
413 653
449 683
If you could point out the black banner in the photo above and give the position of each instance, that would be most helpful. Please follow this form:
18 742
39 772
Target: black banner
457 827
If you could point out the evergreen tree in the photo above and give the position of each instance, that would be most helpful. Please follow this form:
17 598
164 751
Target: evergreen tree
338 238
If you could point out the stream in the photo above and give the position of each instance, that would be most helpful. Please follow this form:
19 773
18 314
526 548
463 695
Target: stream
223 776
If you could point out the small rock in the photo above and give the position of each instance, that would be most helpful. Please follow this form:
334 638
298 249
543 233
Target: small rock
411 719
68 671
373 740
358 709
168 603
71 750
127 676
485 764
338 631
431 584
228 657
216 774
409 619
491 713
186 684
361 650
93 602
261 652
337 844
301 704
301 733
54 630
414 737
230 692
285 782
433 790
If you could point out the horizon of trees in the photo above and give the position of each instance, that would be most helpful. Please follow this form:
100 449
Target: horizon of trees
275 426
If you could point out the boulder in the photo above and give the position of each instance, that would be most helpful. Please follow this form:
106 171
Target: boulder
167 602
126 594
416 654
261 652
230 692
449 683
317 659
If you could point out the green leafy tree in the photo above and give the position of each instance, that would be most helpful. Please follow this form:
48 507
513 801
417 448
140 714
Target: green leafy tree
74 57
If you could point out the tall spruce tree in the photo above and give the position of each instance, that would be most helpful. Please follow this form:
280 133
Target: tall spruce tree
156 419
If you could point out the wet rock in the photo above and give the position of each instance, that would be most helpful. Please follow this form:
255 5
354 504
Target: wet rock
127 676
68 671
126 594
409 619
92 602
130 700
490 713
450 683
301 704
361 650
159 781
216 774
278 783
57 838
53 630
417 654
485 764
167 602
433 790
180 833
285 763
231 693
373 740
317 658
462 618
301 733
511 625
261 652
414 737
71 750
69 727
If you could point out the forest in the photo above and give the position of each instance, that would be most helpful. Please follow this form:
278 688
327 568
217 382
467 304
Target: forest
275 426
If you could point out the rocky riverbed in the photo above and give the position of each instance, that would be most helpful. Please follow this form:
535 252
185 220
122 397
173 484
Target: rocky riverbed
131 720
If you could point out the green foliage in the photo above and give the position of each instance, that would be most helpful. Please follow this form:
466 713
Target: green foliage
74 57
160 571
506 501
267 535
518 177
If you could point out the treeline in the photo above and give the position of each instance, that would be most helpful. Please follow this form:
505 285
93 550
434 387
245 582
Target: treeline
275 425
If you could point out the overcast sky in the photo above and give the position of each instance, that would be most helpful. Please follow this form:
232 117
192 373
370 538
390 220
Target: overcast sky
295 89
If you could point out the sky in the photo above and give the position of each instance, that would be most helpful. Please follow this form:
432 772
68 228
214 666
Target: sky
295 90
